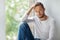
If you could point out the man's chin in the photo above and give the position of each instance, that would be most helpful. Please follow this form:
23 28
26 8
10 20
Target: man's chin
41 16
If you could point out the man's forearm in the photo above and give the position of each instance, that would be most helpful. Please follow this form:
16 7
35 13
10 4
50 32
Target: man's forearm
29 11
25 17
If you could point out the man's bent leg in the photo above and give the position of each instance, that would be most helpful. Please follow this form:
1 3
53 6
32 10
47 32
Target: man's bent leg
25 32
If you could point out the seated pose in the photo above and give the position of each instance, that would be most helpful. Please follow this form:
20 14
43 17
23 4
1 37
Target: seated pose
43 25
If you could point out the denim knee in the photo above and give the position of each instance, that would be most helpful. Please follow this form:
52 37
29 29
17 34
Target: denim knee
23 25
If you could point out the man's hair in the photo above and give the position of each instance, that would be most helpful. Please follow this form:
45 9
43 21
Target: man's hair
39 4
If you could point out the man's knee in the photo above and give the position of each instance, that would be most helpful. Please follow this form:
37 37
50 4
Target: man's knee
23 25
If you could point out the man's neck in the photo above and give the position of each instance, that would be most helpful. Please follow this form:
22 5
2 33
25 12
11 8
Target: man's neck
45 17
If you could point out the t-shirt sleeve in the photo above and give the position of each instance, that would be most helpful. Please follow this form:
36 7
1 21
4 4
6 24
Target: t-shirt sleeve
24 18
27 18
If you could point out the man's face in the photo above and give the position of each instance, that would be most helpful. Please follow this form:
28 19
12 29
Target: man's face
39 11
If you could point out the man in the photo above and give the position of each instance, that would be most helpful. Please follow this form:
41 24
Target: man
43 28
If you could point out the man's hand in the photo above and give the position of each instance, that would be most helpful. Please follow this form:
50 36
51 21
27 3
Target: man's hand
32 7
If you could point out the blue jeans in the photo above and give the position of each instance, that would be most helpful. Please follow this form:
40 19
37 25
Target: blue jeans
25 32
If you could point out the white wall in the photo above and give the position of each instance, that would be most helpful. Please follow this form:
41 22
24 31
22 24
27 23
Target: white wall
53 9
2 20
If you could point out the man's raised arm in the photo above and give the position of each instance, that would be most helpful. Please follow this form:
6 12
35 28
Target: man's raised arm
25 16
